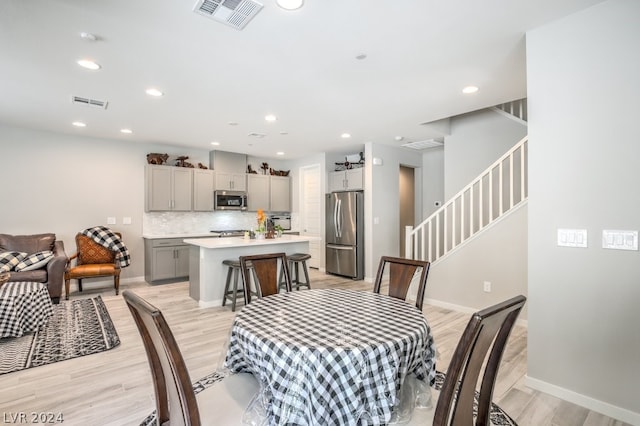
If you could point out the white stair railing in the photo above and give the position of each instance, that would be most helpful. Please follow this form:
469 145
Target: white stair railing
516 110
495 192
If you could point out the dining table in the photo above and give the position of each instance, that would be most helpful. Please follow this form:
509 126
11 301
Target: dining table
331 356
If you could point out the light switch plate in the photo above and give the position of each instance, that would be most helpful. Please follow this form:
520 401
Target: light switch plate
111 220
572 237
126 220
619 240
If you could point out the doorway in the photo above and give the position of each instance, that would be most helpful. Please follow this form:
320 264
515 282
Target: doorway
312 211
407 203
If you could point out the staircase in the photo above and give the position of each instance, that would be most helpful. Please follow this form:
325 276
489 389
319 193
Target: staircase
515 110
496 192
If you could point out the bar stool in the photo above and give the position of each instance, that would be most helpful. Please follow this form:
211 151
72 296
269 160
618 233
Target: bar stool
294 261
233 294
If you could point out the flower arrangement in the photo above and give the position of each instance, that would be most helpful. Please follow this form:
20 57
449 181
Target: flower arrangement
262 221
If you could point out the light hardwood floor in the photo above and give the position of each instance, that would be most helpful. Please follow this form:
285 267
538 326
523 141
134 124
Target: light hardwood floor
114 387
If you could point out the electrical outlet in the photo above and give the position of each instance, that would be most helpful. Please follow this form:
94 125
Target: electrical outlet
486 286
126 220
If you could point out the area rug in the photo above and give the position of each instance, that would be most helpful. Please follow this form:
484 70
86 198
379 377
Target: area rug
77 328
497 416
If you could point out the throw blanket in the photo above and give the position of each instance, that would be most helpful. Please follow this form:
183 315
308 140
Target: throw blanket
107 238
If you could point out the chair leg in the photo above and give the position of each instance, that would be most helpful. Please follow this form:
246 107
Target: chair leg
235 289
226 286
116 283
66 288
79 284
306 273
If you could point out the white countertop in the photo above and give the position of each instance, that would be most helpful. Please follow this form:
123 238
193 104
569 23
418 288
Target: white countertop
214 243
197 235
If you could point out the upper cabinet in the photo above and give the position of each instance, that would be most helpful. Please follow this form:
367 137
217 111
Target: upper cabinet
203 186
257 192
168 188
347 180
227 181
271 193
280 193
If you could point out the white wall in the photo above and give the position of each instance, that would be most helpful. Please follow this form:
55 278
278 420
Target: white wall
477 140
583 91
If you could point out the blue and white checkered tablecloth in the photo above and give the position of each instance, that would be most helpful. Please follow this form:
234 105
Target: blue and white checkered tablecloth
331 356
24 307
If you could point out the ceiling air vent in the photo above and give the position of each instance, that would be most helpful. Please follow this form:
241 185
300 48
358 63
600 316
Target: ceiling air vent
235 13
429 143
89 102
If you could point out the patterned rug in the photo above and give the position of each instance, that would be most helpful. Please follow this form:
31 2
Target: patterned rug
77 328
497 416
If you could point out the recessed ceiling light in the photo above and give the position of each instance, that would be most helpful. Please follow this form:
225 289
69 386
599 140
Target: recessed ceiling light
279 153
290 4
126 131
79 124
470 89
88 36
215 143
154 92
232 123
282 132
361 56
345 136
88 64
399 138
270 118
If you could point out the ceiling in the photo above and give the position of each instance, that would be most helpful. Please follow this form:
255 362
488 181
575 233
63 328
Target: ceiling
298 65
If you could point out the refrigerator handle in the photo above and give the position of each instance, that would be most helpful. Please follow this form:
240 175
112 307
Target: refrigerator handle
339 219
335 247
335 218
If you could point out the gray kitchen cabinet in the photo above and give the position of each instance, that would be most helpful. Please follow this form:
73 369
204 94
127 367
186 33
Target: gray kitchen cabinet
168 188
165 259
271 193
347 180
203 186
280 194
257 192
227 181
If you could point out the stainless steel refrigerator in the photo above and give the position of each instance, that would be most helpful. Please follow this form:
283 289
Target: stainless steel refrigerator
345 234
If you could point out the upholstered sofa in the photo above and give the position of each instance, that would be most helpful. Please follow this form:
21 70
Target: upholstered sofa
52 273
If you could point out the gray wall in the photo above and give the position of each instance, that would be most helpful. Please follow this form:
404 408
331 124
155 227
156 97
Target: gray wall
583 91
66 183
477 140
382 201
498 255
433 184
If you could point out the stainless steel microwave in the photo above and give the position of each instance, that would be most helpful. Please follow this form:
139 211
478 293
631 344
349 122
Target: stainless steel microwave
230 200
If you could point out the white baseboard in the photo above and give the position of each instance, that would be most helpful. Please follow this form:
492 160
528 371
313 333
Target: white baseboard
592 404
465 309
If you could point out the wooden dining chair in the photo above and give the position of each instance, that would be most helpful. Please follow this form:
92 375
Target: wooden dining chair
484 339
401 273
176 402
264 270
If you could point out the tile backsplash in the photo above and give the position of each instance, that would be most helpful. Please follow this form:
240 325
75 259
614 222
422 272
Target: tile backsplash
167 223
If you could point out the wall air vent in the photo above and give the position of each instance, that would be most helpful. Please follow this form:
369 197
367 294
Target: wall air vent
94 103
257 135
429 143
235 13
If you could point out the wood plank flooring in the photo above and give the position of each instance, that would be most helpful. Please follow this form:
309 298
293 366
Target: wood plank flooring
115 388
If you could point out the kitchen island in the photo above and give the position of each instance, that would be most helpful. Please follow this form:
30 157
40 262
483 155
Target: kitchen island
207 274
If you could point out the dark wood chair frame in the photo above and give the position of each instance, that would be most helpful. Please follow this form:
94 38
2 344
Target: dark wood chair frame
264 268
486 334
401 272
171 381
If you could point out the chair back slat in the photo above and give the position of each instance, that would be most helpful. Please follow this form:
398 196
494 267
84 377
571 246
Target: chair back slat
484 338
175 399
401 274
264 269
